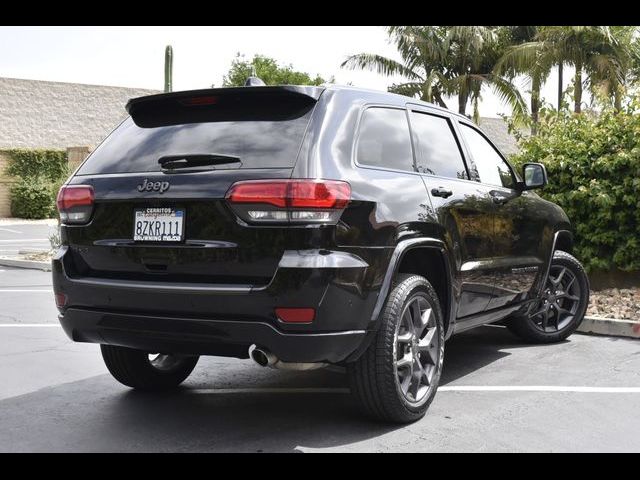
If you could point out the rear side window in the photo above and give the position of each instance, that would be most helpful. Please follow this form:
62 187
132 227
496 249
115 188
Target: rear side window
262 131
437 151
384 139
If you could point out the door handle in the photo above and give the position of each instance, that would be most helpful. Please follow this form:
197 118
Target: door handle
499 198
441 192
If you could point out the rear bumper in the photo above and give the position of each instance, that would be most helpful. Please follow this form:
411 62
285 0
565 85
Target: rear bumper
206 337
225 320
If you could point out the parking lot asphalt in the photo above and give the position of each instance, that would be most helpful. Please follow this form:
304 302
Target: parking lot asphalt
497 394
24 237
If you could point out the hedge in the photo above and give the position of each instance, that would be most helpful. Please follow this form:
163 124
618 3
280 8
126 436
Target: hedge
49 164
40 174
593 162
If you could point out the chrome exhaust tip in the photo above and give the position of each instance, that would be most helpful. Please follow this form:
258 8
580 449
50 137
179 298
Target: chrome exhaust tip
262 357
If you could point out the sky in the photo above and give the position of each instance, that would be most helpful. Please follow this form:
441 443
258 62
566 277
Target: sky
134 56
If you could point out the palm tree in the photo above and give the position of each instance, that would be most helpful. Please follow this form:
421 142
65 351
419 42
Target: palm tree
611 82
444 61
421 49
524 57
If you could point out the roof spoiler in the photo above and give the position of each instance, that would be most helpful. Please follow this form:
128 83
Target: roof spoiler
207 96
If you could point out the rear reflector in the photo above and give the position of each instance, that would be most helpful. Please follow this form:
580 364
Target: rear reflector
295 201
296 315
75 203
61 300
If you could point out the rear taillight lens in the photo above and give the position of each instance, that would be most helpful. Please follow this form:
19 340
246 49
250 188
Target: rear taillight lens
289 201
75 203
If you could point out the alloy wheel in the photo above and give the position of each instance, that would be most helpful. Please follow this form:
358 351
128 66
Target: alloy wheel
560 300
417 349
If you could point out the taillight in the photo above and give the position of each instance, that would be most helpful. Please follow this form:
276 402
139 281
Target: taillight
289 201
75 203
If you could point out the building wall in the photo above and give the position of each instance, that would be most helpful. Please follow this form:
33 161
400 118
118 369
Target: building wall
5 188
40 114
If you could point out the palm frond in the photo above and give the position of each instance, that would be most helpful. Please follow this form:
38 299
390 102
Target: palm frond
380 64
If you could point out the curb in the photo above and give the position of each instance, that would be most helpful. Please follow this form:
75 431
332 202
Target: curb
610 326
31 264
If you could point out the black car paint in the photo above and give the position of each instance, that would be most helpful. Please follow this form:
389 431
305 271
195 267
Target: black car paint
216 292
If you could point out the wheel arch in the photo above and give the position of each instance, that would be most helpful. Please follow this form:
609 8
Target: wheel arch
404 254
421 256
563 241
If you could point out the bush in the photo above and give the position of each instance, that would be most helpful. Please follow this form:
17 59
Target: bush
593 163
49 164
40 174
34 198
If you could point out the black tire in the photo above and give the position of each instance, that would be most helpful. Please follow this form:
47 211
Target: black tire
135 369
528 327
374 376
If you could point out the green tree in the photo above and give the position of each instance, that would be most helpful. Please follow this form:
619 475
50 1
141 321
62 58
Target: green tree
444 61
268 70
520 58
600 55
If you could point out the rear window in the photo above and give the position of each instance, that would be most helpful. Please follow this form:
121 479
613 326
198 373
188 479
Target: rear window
264 131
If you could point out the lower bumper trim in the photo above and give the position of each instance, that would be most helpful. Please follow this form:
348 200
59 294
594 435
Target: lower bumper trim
165 334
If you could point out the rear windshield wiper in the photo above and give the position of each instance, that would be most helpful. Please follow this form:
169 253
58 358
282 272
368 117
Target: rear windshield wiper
196 161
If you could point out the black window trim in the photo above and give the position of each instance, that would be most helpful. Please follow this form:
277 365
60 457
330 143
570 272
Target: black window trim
412 107
475 127
354 150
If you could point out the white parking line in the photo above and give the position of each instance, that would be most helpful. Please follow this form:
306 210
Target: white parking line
15 290
18 240
456 388
536 388
10 230
29 325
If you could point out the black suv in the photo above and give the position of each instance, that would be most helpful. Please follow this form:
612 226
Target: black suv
303 227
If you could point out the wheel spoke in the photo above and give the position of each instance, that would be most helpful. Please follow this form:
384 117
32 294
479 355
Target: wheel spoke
406 360
405 337
573 298
425 320
408 321
425 377
560 276
568 285
415 383
425 342
416 317
545 319
406 381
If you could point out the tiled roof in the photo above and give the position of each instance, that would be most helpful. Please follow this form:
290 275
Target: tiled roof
38 114
496 129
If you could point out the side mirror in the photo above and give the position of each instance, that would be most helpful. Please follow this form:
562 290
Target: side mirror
534 175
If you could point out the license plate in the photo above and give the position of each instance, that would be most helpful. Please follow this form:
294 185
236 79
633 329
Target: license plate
158 225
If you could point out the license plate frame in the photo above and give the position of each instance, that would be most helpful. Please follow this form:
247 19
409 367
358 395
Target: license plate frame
159 225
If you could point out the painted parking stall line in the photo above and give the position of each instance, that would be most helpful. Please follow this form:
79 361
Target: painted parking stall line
24 290
536 388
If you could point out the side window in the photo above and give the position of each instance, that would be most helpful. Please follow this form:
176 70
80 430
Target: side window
492 169
437 151
384 139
